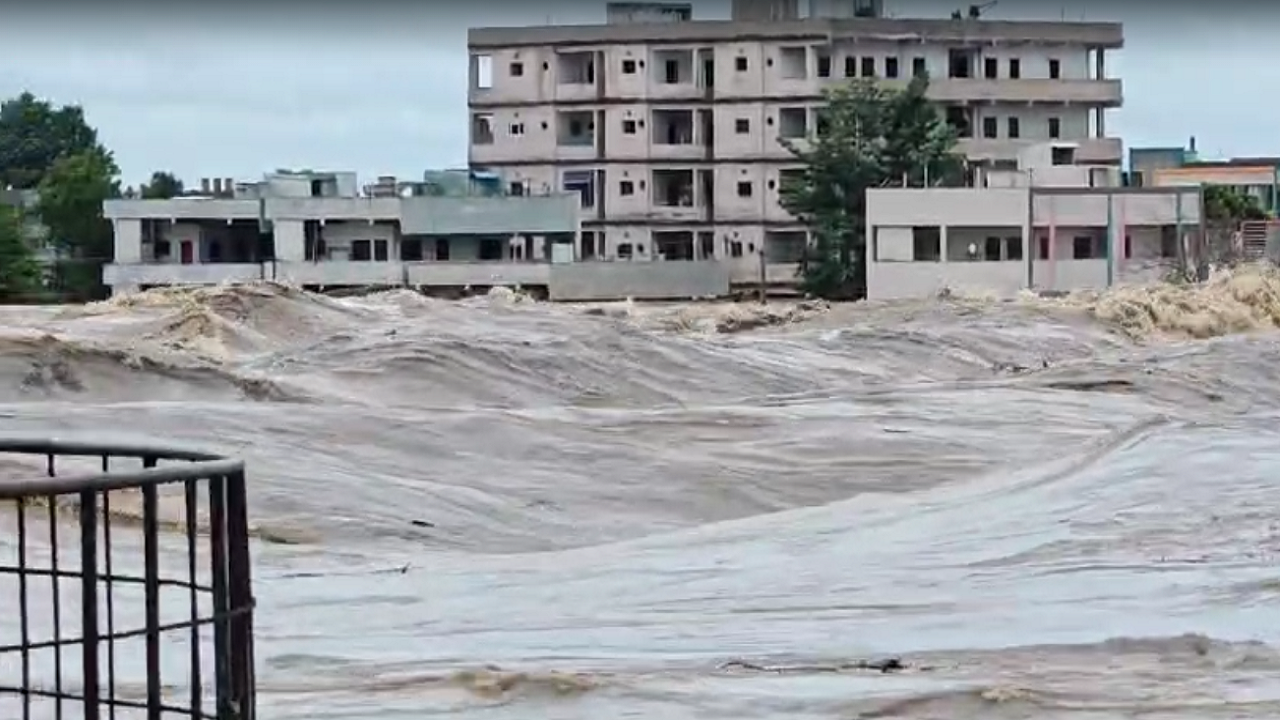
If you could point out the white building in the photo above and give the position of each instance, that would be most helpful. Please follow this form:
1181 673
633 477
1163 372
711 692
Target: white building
668 127
1053 224
318 229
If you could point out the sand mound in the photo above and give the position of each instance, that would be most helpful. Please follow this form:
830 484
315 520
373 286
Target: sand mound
1236 300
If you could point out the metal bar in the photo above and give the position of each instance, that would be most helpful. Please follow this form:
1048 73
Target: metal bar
57 594
110 593
197 693
132 704
151 565
89 602
123 635
241 592
218 568
125 579
23 610
119 480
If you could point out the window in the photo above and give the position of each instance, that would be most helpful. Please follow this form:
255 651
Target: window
1055 128
1013 248
624 251
1055 70
990 128
629 127
742 126
926 243
1015 68
740 63
868 67
744 189
411 249
629 67
851 67
361 250
735 248
516 129
918 67
891 67
991 68
162 249
992 248
824 66
1014 130
626 188
442 249
673 72
1082 248
380 253
517 69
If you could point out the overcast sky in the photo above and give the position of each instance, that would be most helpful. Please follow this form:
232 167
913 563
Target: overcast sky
380 87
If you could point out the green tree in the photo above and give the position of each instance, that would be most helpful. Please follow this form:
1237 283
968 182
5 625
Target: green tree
20 274
34 134
1227 205
162 186
70 206
868 136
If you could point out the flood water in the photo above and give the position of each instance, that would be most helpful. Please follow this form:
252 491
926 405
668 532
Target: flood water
504 509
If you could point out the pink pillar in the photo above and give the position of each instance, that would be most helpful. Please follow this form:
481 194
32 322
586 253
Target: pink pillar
1052 241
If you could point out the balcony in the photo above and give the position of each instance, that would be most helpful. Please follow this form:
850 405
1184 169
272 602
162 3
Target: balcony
1105 93
673 76
577 77
678 134
576 137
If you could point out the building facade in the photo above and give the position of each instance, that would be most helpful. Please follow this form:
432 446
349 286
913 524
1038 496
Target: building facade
1054 224
320 229
668 128
449 232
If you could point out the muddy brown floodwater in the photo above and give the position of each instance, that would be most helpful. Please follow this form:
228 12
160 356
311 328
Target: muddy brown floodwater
504 509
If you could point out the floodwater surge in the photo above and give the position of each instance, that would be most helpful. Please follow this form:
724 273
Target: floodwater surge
499 508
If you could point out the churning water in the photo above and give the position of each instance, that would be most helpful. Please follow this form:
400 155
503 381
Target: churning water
504 509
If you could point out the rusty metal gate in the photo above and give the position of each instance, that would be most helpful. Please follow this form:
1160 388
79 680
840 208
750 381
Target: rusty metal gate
125 585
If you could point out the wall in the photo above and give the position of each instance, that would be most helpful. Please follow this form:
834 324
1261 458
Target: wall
478 215
580 282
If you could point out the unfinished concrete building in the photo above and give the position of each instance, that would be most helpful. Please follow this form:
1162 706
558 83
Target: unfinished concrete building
668 126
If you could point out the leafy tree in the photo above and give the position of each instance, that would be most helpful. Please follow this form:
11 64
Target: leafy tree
1227 205
70 205
20 274
34 134
162 186
868 137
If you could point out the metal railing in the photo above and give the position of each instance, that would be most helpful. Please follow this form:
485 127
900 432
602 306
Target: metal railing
200 610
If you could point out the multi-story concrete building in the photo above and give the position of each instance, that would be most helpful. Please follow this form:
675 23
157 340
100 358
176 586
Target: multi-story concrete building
1053 224
668 127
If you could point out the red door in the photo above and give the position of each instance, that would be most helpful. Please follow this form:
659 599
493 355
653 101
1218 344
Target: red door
187 253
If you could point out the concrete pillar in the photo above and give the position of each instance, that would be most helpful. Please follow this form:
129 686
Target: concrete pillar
1100 73
291 240
942 243
128 234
